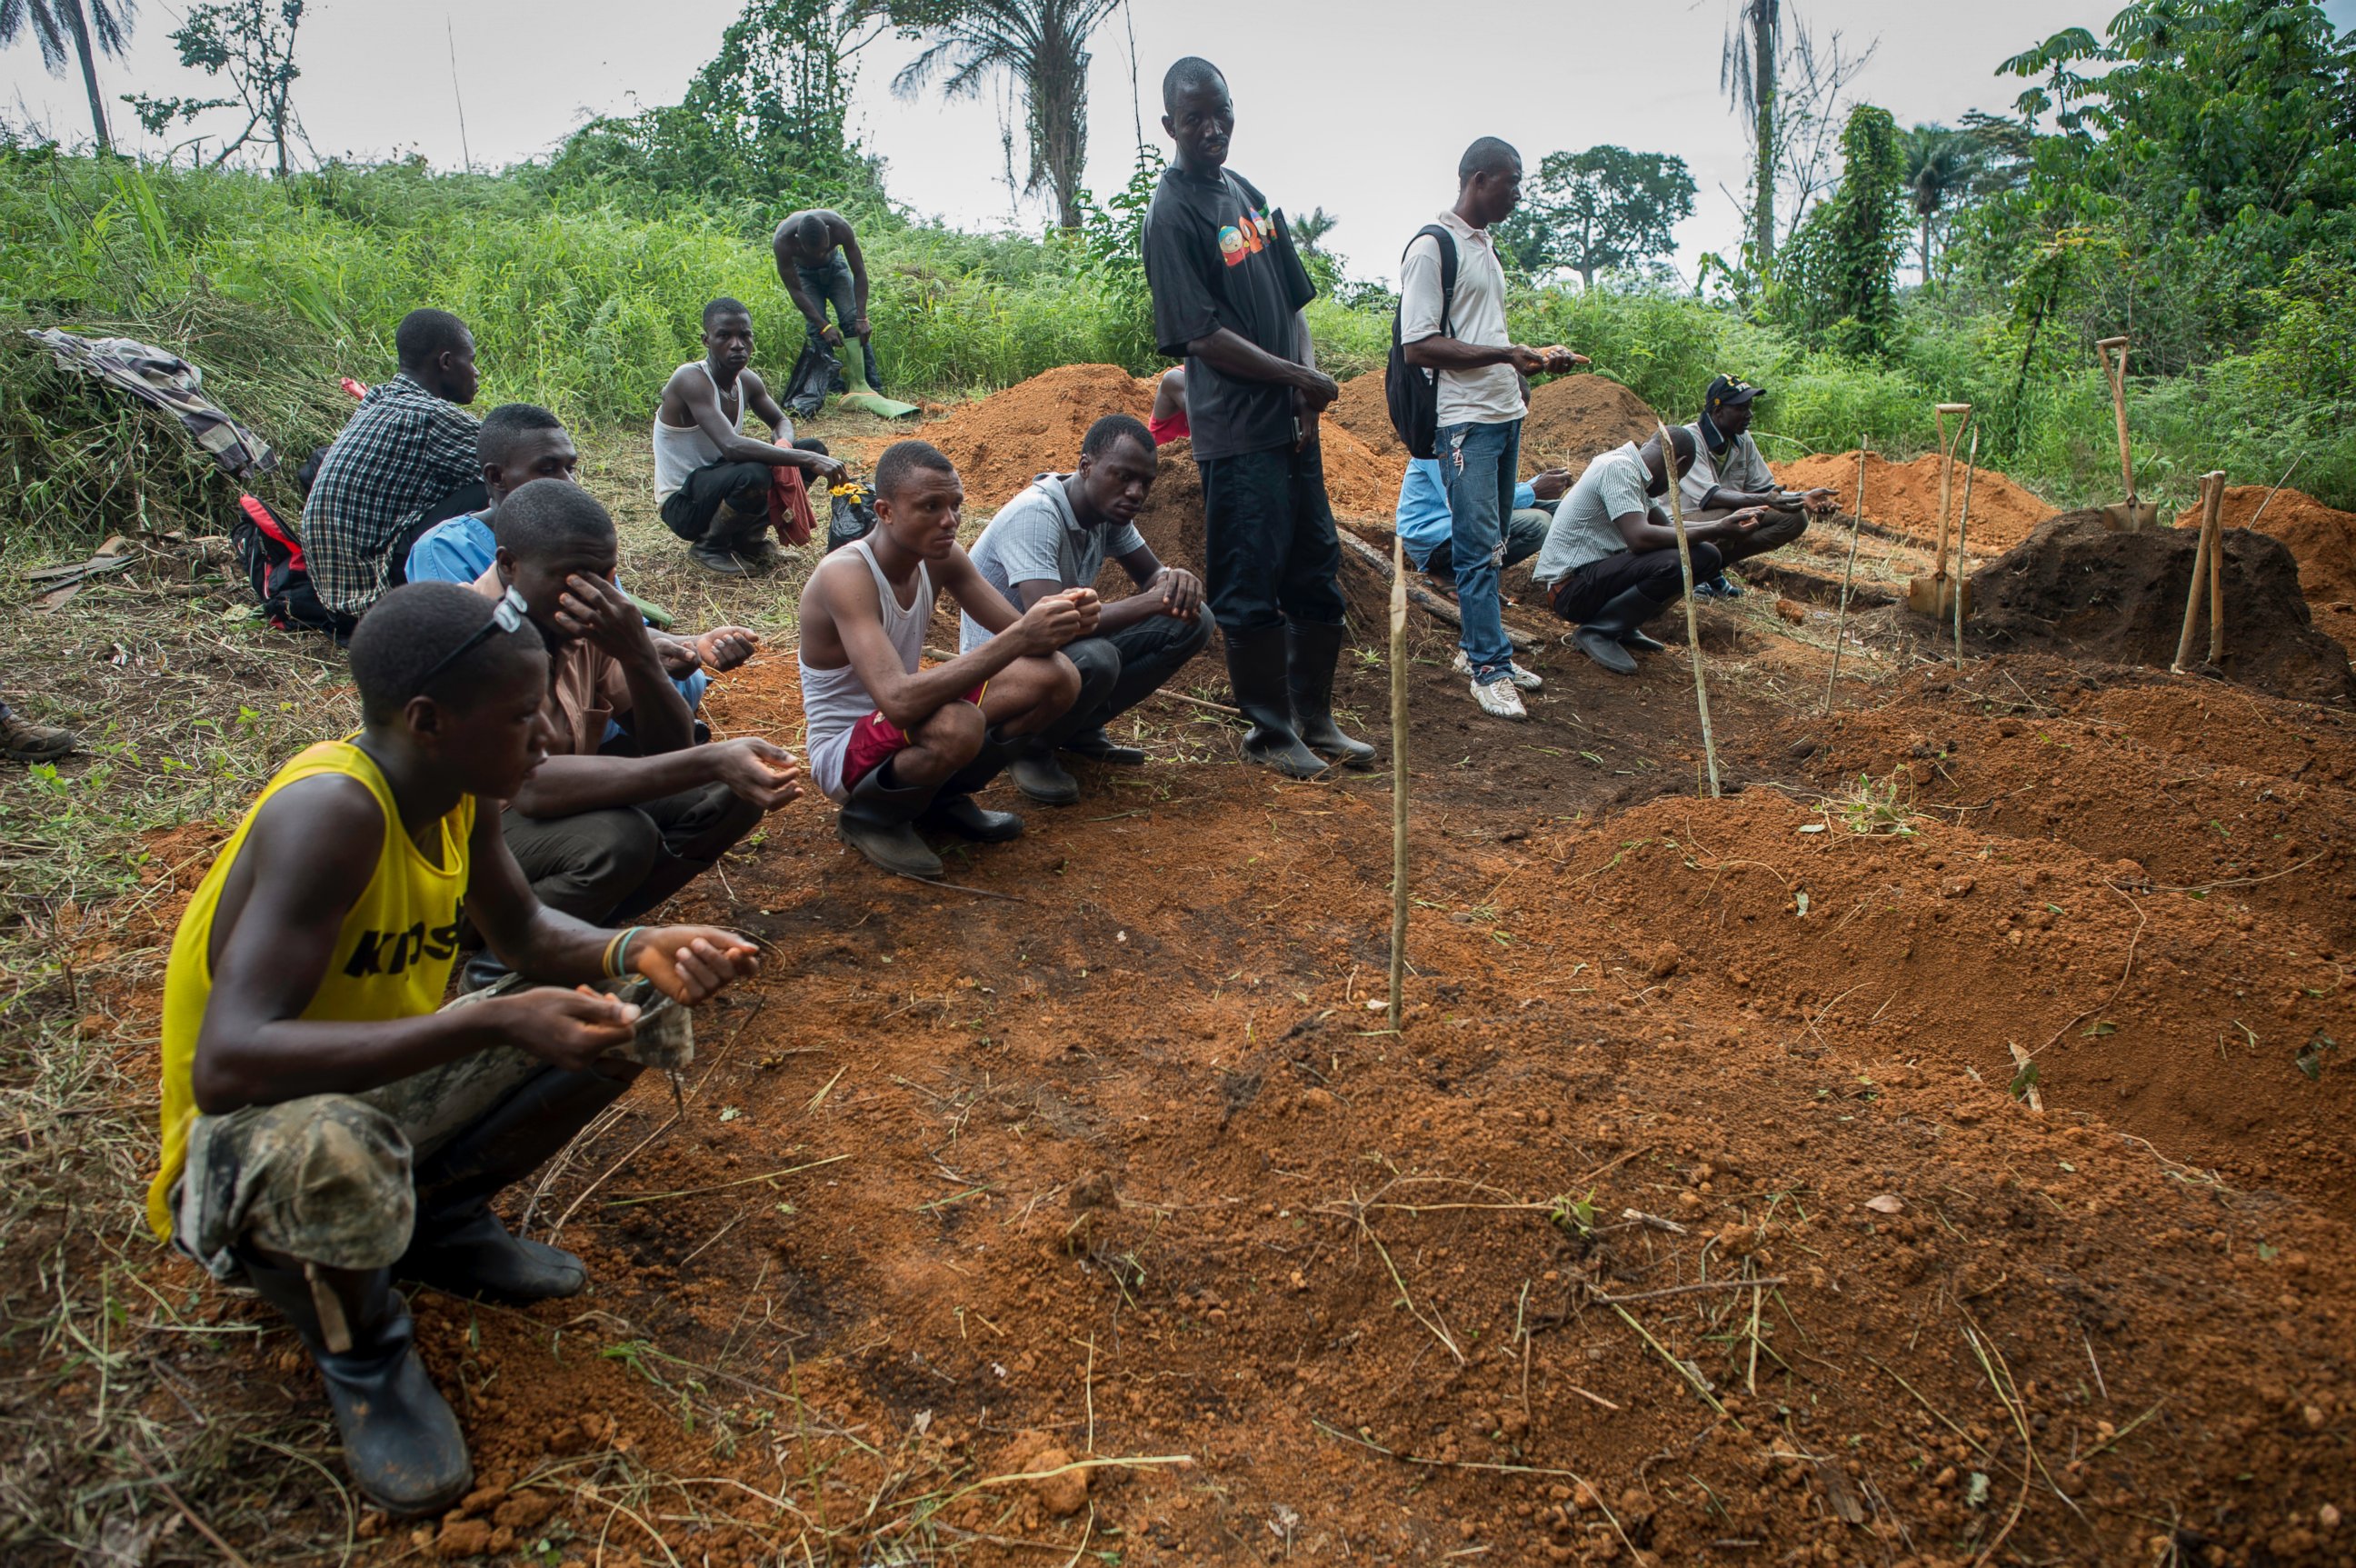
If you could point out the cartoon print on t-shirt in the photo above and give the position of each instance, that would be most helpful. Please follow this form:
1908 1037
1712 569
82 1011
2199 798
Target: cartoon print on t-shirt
1246 236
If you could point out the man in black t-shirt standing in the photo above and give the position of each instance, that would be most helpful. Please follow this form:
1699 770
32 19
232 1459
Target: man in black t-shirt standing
1229 290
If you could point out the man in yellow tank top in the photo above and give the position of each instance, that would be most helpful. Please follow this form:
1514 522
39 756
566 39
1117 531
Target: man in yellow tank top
325 1128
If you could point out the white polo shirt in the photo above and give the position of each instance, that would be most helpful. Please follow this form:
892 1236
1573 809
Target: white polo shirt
1476 314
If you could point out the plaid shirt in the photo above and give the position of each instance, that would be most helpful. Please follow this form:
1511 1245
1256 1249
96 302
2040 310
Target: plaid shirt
403 451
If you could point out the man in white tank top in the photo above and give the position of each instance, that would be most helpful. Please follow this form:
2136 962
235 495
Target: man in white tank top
712 479
898 746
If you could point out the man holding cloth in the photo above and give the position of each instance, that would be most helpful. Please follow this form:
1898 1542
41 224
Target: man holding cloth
1728 474
1229 290
1461 337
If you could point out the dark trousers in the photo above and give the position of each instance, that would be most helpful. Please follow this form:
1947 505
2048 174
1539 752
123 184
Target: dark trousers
471 497
688 510
611 865
1128 666
1269 549
1777 528
830 283
1578 596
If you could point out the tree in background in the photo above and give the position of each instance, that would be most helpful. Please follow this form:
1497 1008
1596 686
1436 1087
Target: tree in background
780 82
1941 164
1746 73
1838 278
1309 232
1041 44
252 42
1605 209
85 29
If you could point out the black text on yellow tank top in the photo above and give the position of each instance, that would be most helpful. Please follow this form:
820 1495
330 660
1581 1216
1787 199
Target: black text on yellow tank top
392 952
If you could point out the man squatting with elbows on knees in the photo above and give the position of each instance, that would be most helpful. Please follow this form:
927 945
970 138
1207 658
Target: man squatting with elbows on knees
899 747
1728 474
1053 537
325 1129
711 480
1610 559
1229 290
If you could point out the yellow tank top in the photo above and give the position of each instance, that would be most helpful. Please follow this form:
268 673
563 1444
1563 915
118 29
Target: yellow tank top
391 959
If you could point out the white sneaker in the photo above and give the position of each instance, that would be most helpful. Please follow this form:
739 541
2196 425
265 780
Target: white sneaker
1528 679
1499 700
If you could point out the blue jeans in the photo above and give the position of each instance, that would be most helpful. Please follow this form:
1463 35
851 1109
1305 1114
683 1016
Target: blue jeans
1477 465
830 283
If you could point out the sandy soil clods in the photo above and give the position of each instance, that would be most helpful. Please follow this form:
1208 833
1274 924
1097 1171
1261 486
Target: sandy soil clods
1905 496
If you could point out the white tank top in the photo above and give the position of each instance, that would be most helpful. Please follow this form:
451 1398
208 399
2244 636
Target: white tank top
678 453
833 699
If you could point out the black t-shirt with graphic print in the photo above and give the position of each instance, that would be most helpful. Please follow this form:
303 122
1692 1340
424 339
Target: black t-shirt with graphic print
1215 257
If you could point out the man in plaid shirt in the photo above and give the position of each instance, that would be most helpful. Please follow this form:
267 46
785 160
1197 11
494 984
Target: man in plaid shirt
403 463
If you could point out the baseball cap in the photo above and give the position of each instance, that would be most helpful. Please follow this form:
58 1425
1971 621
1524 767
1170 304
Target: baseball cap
1727 391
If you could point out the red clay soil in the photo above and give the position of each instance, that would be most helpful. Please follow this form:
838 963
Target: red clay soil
1689 1220
1905 497
1574 418
2079 587
1363 412
1001 442
2322 540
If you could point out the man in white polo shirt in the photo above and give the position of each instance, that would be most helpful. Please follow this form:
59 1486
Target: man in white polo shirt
1459 335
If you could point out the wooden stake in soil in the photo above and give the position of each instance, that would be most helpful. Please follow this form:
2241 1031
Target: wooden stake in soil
1398 778
1963 518
1848 573
2207 551
1693 623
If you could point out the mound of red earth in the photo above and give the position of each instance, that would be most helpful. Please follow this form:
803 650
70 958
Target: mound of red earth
2322 540
1002 442
1905 496
1362 410
2083 588
1574 418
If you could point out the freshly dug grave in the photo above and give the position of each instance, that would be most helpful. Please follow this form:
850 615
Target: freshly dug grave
1905 496
2323 541
1362 410
1002 442
2080 588
1574 418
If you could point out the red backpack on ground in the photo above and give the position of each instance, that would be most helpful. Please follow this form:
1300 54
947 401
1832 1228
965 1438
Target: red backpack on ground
272 556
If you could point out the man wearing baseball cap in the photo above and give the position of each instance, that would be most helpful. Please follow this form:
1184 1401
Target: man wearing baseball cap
1728 474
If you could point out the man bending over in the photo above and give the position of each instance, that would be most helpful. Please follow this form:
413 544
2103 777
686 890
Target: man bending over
1052 538
1728 474
712 479
324 1130
819 262
403 462
1611 558
610 837
900 747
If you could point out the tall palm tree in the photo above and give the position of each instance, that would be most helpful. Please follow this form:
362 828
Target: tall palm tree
93 27
1042 44
1746 73
1940 165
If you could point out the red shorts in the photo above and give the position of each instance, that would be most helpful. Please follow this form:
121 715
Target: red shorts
875 738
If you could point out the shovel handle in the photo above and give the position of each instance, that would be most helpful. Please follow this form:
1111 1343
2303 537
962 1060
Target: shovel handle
2117 371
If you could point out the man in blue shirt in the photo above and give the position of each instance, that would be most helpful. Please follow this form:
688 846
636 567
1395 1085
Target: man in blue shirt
520 441
1423 520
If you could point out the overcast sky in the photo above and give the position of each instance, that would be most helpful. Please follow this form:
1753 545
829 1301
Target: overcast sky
1348 104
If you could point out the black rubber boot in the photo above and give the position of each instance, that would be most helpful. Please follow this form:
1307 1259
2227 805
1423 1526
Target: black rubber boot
716 551
1255 671
459 1246
1311 652
1037 774
961 815
400 1440
1598 636
1637 642
878 822
1097 747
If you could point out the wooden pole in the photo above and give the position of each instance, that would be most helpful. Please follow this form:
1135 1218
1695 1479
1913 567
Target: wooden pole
2117 374
1399 782
2216 532
1856 526
1693 622
1939 413
1963 521
2213 501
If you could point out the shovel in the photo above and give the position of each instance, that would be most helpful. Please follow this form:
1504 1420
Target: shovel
2132 513
1937 594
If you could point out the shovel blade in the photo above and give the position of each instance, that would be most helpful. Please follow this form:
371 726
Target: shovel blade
2139 514
1937 595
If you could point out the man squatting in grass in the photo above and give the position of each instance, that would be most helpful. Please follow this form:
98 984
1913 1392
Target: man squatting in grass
1461 337
1229 290
898 747
520 441
1610 557
324 1130
1729 474
819 262
712 479
1052 538
403 462
607 837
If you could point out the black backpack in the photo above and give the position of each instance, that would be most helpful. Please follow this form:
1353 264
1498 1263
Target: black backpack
273 558
1412 392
